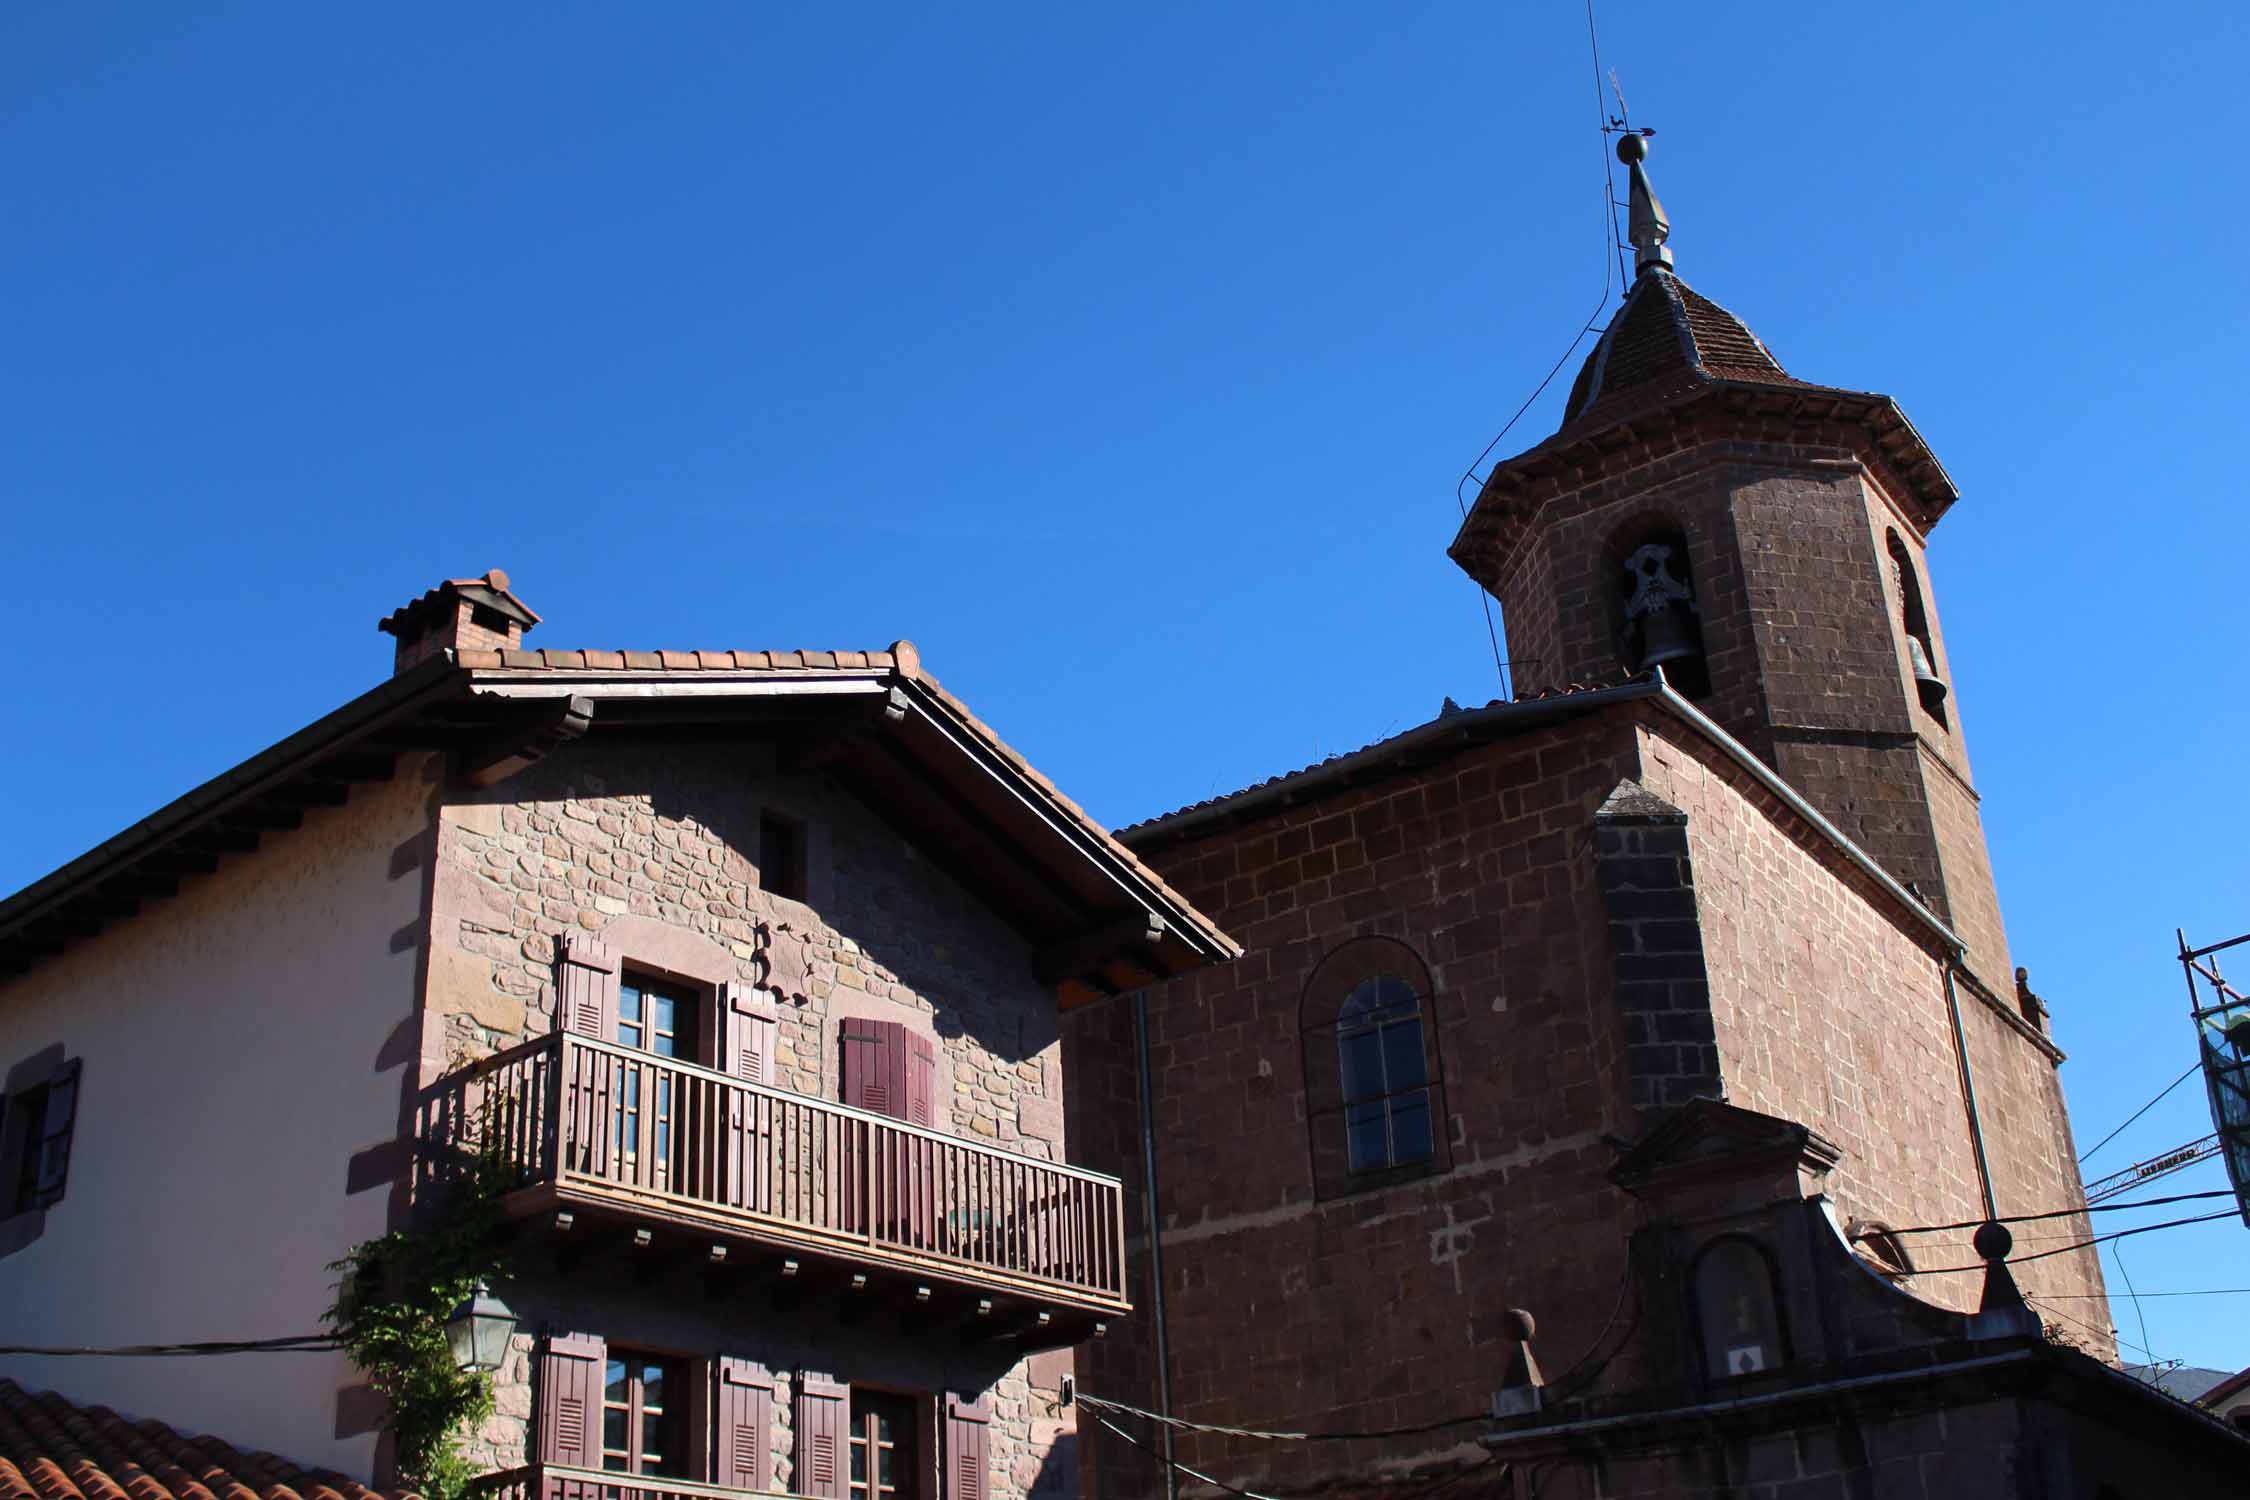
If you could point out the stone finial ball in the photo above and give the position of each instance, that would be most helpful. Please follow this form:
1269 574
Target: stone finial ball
1520 1325
1993 1242
1632 147
494 578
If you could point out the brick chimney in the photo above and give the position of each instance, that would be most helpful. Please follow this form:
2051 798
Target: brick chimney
475 614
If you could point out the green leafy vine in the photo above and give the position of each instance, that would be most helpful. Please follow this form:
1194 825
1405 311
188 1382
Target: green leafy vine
393 1294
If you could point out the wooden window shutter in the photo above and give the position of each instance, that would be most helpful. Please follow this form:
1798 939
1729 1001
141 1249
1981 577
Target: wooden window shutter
54 1132
570 1401
966 1450
875 1066
751 1025
921 1080
586 987
823 1414
742 1433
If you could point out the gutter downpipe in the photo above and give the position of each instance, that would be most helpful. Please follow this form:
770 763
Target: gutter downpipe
1968 1087
1956 950
1153 1221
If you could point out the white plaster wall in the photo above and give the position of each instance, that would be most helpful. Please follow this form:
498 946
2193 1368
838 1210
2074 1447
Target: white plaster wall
238 1046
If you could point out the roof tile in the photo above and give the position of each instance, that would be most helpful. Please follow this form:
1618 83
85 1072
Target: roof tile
53 1449
643 661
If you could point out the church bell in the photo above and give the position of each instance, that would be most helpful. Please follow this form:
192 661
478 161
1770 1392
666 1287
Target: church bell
1926 680
1668 635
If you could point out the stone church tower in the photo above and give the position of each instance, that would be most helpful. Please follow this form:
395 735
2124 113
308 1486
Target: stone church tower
1762 539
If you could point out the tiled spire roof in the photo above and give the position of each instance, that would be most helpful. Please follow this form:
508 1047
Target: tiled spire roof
1668 338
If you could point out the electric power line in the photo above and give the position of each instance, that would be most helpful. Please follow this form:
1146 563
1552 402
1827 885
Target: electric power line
2099 1239
309 1343
2144 1109
2064 1213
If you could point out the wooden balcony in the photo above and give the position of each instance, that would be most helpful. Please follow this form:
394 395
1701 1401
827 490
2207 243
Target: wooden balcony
661 1150
557 1482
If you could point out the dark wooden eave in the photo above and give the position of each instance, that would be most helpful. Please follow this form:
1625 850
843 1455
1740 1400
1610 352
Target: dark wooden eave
1097 919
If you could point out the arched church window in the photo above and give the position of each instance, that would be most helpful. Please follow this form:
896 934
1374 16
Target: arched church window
1373 1096
1737 1313
1659 618
1914 619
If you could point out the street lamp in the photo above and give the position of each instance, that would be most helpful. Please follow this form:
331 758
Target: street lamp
478 1330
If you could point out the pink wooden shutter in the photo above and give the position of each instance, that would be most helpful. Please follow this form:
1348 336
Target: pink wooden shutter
745 1420
965 1448
52 1143
752 1027
921 1079
823 1412
570 1401
875 1066
586 987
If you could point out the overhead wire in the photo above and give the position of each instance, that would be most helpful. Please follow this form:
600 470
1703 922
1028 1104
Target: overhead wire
309 1343
1593 320
2099 1239
2144 1109
2064 1213
1423 1494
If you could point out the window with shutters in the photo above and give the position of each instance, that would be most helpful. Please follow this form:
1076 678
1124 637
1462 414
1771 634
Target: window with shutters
659 1018
1373 1089
883 1463
38 1117
644 1414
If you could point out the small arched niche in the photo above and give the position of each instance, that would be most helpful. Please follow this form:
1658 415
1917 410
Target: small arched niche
1737 1310
1655 615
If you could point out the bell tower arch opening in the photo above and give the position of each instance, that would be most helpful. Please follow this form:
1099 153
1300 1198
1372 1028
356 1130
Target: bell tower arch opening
1758 539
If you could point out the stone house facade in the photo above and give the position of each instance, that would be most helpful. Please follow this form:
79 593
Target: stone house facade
746 965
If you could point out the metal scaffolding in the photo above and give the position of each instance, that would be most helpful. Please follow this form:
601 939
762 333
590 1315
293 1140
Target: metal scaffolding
2222 1032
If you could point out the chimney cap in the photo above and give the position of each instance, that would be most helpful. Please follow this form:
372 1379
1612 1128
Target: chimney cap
491 591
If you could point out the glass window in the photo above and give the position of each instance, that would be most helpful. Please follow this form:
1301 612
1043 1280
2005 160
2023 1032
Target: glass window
1734 1302
883 1440
656 1018
644 1409
1385 1074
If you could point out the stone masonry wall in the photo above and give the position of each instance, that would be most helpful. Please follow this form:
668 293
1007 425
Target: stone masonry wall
654 845
1828 1009
1832 1013
1384 1308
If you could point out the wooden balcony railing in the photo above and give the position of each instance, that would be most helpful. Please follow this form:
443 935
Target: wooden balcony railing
606 1124
558 1482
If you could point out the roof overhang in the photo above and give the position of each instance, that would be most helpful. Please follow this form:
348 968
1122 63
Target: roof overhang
1099 920
1669 419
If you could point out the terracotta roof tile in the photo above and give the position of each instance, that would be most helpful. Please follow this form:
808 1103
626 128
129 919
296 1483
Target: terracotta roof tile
53 1449
1667 336
644 661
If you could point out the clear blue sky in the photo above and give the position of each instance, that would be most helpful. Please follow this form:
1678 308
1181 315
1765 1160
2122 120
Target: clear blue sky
1125 360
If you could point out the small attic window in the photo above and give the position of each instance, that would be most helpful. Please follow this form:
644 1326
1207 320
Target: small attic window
781 856
485 617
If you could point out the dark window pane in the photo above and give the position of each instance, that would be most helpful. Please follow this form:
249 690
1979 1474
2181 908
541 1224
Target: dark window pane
614 1462
859 1462
1402 1055
1395 994
613 1381
1363 1125
652 1386
1410 1129
652 1437
885 1468
629 1003
613 1427
1362 1064
628 1035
